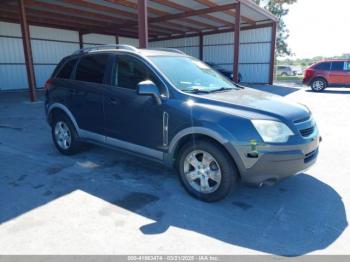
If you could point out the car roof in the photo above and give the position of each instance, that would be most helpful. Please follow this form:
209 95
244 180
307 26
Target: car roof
334 60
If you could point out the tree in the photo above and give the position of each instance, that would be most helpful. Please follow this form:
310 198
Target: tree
279 8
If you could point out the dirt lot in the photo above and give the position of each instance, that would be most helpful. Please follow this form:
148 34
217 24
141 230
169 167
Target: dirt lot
104 202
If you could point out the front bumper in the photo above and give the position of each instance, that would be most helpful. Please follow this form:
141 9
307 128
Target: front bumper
275 162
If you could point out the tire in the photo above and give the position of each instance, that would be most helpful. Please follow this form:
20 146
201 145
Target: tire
64 135
318 84
284 74
218 170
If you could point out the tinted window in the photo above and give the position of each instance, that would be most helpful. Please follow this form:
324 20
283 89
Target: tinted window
67 69
347 66
131 71
323 66
91 68
337 66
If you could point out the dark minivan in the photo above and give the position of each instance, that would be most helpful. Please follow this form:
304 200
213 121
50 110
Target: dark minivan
169 107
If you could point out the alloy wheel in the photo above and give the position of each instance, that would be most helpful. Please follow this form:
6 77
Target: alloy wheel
202 171
63 135
318 85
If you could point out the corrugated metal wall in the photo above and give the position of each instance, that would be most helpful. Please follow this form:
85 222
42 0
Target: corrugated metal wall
255 54
49 46
128 41
12 68
90 40
189 45
255 48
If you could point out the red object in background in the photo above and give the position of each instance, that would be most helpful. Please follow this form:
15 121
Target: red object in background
335 73
47 85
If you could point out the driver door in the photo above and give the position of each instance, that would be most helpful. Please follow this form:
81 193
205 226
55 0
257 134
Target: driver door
130 117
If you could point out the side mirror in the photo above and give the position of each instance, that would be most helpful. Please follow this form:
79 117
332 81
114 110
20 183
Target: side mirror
148 88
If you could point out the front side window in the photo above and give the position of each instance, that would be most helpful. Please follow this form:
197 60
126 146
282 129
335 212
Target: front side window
130 72
91 68
337 66
323 66
190 74
67 69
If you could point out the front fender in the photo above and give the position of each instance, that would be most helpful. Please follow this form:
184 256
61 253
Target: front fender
215 132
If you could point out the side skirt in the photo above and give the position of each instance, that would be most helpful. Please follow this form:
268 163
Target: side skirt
122 146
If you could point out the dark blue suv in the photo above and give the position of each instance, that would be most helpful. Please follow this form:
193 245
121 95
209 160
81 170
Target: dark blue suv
172 108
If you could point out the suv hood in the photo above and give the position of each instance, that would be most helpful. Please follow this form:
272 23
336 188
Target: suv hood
259 102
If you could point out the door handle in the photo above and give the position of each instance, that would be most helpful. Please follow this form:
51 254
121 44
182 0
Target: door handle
72 91
113 101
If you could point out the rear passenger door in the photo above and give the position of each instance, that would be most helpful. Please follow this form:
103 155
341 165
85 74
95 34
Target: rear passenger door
347 72
337 73
87 92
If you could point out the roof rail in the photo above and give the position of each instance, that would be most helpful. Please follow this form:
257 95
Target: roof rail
173 50
105 47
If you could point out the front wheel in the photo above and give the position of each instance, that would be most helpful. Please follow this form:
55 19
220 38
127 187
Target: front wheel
206 171
318 85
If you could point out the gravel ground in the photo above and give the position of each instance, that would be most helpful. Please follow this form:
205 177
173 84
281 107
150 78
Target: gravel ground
104 202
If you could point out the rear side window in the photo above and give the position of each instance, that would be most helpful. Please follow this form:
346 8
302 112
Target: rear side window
337 66
67 69
347 66
323 66
91 68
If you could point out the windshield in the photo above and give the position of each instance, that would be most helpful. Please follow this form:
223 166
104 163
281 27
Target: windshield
189 74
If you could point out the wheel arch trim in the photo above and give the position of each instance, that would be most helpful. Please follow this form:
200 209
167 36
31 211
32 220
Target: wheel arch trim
319 77
225 142
67 111
194 131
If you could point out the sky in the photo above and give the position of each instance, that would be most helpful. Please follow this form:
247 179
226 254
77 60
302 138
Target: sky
319 28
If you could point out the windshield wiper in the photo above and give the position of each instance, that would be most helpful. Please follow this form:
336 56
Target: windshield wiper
222 89
238 86
196 91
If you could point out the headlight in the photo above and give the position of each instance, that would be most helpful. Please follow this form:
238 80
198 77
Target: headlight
272 131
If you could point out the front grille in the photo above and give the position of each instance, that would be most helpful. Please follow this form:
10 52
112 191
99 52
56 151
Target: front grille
307 131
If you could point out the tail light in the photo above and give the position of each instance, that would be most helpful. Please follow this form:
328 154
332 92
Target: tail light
48 84
308 73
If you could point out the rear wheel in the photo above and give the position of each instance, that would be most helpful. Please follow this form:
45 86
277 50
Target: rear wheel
64 135
318 85
206 170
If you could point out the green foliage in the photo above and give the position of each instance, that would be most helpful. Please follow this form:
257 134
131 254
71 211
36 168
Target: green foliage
279 8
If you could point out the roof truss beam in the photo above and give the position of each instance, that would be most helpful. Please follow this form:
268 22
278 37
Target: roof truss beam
209 3
187 9
186 14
